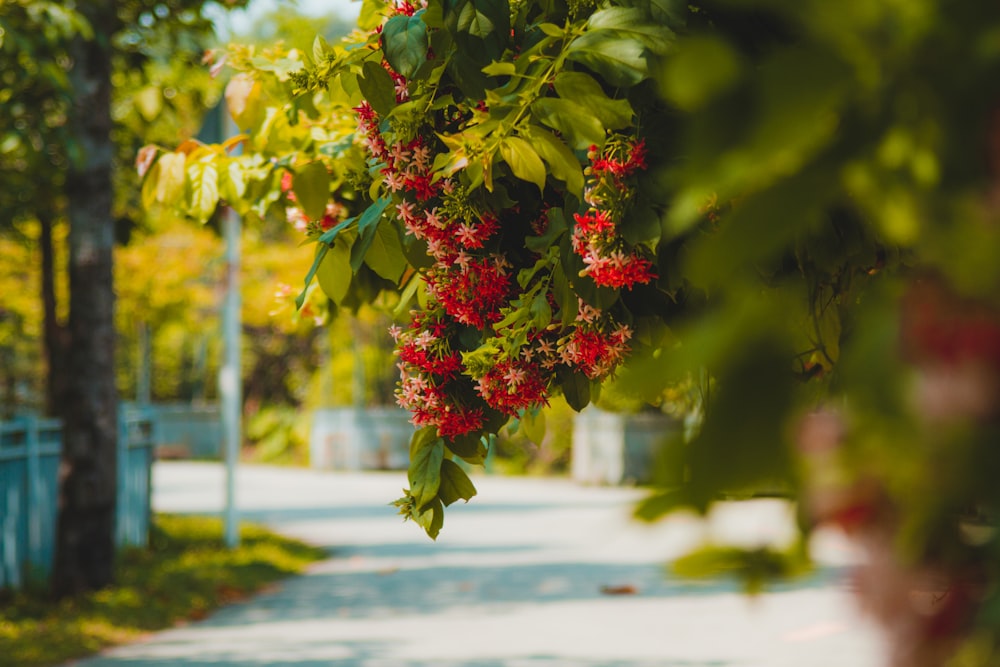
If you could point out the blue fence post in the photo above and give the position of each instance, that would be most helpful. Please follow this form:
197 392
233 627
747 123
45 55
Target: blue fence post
33 472
148 460
135 456
121 473
10 565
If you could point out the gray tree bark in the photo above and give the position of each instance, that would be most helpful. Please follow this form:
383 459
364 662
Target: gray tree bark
85 546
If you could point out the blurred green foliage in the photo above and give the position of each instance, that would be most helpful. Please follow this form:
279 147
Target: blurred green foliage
168 272
540 444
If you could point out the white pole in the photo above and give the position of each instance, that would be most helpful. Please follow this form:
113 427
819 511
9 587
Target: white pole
230 376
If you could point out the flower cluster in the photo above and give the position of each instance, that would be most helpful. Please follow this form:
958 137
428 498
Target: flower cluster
521 378
466 285
471 290
406 166
472 284
594 344
608 258
597 344
430 385
469 284
513 385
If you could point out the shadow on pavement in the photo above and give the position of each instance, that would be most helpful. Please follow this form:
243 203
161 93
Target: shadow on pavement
374 654
402 591
276 517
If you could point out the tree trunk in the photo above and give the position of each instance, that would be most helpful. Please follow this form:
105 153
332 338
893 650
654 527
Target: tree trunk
85 546
54 334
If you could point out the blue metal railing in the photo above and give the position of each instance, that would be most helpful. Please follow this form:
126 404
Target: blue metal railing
29 468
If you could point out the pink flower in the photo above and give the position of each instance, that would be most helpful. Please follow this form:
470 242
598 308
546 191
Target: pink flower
421 157
405 212
514 376
393 180
399 153
435 220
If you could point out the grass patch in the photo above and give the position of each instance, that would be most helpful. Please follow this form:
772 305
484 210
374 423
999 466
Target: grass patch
184 574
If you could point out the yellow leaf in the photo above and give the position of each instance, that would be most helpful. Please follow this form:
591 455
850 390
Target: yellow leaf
243 99
170 180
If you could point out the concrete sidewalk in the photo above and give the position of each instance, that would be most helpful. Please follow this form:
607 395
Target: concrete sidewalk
514 580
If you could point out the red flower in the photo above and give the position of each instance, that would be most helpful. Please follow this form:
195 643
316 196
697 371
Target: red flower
596 352
471 292
514 385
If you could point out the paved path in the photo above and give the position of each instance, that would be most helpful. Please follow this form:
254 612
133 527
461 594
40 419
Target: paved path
514 580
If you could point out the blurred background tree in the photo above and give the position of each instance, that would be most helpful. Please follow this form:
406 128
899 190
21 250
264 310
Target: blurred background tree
166 270
66 144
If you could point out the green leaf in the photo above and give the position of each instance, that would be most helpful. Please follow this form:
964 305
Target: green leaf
619 59
371 14
149 185
431 518
334 272
503 68
361 246
754 567
319 49
656 506
404 43
523 161
311 185
561 160
541 311
669 12
367 228
426 456
534 426
575 387
233 184
469 77
373 213
552 30
469 448
385 256
487 21
641 225
455 484
378 88
321 250
583 89
434 18
244 100
204 180
331 234
555 229
280 67
577 125
634 22
475 22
